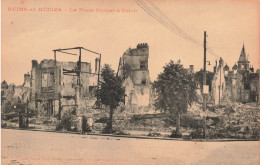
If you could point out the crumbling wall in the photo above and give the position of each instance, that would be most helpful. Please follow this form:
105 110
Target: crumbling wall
237 87
84 78
258 85
69 82
27 80
92 85
49 85
254 86
143 95
12 95
140 77
33 84
131 98
133 68
73 100
138 97
218 85
68 104
235 83
45 80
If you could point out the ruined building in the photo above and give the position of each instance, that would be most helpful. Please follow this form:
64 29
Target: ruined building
218 83
12 94
243 63
242 83
133 68
27 80
54 87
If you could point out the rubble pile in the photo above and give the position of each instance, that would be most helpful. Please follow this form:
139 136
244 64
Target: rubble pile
8 99
141 122
232 120
241 122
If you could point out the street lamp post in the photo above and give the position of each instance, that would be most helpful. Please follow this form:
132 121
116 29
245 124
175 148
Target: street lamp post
205 89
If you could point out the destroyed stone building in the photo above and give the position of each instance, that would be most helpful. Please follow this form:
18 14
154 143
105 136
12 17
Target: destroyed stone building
218 84
27 80
241 84
12 94
258 86
133 68
54 90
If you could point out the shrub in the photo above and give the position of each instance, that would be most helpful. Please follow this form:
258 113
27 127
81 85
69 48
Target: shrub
175 134
154 134
66 122
102 120
196 134
121 133
14 120
59 126
84 124
212 133
108 130
3 124
32 121
256 133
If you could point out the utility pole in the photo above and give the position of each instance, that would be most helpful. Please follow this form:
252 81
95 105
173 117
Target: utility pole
27 113
78 86
204 84
220 81
79 69
98 81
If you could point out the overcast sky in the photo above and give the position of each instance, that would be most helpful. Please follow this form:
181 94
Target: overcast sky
28 35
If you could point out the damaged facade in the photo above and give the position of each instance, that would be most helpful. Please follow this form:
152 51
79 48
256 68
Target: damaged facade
11 94
245 82
133 68
218 84
54 87
240 84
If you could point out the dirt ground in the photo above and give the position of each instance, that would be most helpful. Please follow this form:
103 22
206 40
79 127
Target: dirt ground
33 147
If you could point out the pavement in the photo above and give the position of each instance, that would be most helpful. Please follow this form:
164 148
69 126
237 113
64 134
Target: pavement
24 147
135 134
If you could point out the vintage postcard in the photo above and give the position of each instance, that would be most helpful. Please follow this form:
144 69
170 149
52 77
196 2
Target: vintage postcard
122 82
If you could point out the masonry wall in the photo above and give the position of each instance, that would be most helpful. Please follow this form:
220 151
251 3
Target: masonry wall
258 85
134 69
69 82
50 88
218 85
234 87
27 80
243 87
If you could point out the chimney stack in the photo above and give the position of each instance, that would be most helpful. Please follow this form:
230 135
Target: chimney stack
27 80
97 60
192 68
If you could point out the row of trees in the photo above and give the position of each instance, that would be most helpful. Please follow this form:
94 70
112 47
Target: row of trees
175 88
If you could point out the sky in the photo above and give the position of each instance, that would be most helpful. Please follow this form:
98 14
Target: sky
32 35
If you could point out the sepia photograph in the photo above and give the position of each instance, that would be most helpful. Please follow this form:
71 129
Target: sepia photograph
130 82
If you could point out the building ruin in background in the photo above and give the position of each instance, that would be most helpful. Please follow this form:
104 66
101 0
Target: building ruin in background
240 84
53 89
54 86
133 68
58 86
218 84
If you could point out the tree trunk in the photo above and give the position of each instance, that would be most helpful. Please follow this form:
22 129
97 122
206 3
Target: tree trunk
27 114
59 117
204 126
178 123
110 123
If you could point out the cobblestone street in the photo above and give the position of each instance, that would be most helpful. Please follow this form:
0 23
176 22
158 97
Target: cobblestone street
33 147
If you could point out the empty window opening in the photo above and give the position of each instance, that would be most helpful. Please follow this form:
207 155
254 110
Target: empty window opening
143 82
143 65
